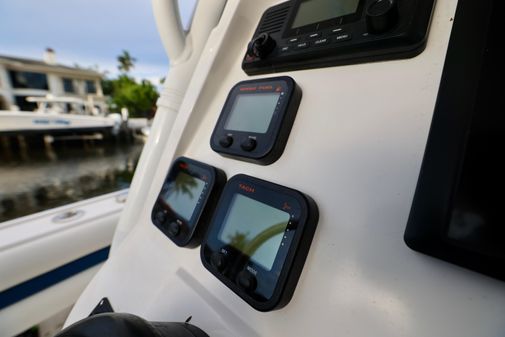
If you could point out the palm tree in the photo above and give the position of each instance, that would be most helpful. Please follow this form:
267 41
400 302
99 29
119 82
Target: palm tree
126 62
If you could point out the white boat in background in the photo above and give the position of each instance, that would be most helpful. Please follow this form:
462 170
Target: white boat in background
59 114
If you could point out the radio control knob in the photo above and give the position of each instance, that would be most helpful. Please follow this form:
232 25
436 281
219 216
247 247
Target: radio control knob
261 45
381 16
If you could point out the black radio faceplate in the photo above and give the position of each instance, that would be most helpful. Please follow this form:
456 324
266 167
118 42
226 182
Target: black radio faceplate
303 34
258 240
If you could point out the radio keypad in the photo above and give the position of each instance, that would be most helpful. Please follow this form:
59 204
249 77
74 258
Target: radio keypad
314 35
342 37
315 39
302 45
321 42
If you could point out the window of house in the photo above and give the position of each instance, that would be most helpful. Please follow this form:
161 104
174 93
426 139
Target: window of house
90 87
28 80
68 85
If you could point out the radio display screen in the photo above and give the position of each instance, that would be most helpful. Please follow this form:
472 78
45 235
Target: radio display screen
252 112
254 228
182 194
312 11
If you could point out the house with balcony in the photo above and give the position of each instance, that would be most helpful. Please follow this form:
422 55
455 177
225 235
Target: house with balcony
22 77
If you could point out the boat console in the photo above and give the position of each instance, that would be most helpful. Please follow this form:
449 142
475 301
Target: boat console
307 234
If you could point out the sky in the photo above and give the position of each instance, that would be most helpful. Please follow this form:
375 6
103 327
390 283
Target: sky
87 32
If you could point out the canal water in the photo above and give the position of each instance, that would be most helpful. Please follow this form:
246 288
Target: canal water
43 178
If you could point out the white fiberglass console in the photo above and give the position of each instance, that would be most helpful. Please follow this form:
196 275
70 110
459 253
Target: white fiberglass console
355 145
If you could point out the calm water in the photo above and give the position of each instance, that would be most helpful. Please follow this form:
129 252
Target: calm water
45 178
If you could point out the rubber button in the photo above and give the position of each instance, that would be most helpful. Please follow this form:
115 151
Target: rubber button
218 261
248 145
226 141
246 280
174 228
160 216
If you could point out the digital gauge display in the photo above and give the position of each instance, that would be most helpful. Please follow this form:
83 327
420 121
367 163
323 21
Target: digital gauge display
256 120
252 113
255 229
181 195
258 240
185 202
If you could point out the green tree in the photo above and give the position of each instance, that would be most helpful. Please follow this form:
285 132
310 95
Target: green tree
125 92
138 98
126 62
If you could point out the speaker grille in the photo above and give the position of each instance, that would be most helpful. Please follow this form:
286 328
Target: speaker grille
274 19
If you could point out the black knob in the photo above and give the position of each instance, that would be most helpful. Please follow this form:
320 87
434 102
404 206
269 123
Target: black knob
161 216
174 229
248 145
226 141
218 260
381 16
261 45
246 280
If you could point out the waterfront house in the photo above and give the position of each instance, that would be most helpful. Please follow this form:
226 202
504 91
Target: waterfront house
22 77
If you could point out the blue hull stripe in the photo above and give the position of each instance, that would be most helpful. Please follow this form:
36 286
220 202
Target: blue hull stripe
32 286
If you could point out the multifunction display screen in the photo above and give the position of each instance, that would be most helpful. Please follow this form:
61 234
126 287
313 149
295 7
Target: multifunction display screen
186 200
258 240
255 229
312 11
252 112
182 194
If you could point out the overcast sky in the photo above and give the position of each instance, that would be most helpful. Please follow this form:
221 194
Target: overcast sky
86 32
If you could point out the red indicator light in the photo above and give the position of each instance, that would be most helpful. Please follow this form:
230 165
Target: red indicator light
183 165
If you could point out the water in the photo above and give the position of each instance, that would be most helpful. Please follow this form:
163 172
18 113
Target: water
39 179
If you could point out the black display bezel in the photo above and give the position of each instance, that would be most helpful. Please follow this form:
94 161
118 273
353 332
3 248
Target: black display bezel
275 286
191 231
458 105
271 144
336 21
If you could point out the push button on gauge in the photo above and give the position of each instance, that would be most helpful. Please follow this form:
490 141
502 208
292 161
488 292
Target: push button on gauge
246 280
248 145
226 141
174 228
218 261
161 217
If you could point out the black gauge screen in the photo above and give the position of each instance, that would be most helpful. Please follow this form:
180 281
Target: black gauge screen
254 228
312 11
252 113
183 194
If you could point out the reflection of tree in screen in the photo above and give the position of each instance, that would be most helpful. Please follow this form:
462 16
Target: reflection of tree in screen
184 184
249 247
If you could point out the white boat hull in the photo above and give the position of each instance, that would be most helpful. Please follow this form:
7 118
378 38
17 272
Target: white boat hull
33 122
